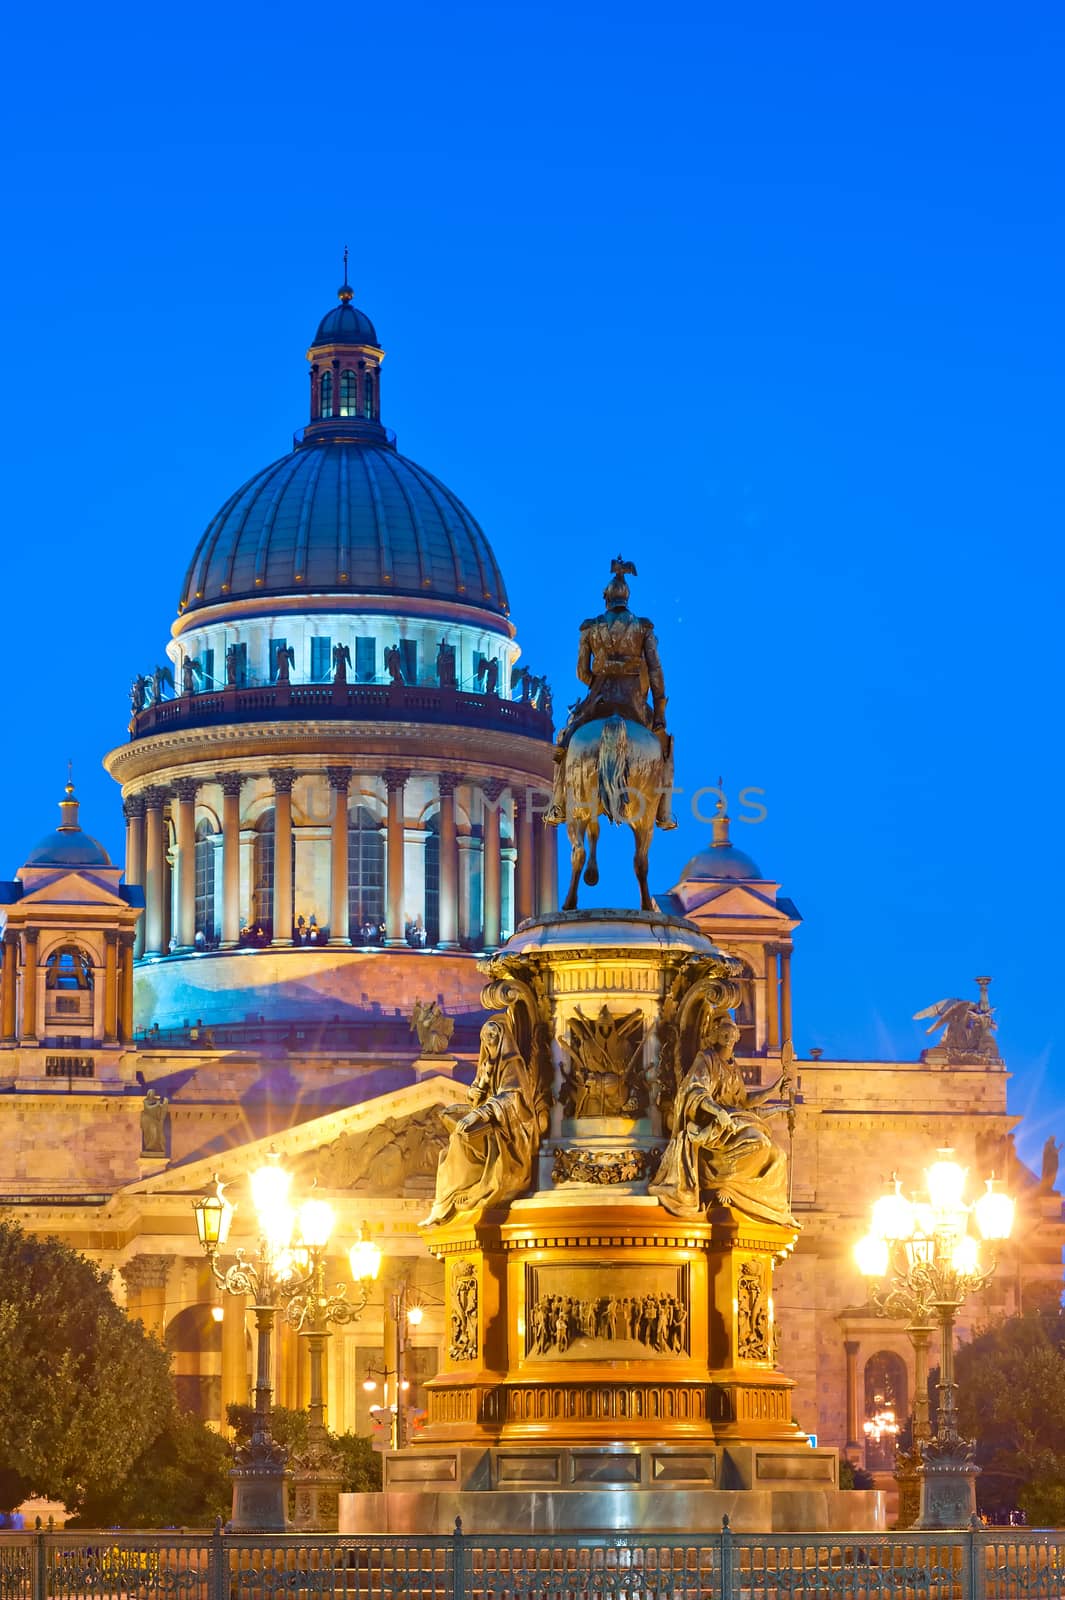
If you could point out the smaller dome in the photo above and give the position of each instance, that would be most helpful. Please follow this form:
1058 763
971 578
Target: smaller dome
69 845
345 324
721 862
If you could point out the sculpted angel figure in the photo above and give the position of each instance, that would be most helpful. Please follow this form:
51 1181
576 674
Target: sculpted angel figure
721 1151
494 1139
433 1027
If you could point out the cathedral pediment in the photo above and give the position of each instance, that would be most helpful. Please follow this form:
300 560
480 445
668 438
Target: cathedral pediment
73 889
732 900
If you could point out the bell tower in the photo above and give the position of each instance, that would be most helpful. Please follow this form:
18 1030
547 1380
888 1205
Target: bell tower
67 925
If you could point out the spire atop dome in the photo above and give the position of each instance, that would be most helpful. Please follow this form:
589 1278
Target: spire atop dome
720 824
68 807
345 293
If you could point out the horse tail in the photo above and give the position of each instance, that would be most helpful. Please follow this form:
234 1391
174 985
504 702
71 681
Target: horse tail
614 769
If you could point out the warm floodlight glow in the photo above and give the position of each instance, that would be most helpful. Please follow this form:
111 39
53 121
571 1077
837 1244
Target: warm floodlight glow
217 1314
369 1384
278 1225
994 1213
892 1216
871 1256
946 1184
415 1315
316 1223
270 1185
965 1258
365 1258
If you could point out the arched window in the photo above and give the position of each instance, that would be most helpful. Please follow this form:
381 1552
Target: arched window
349 394
262 897
886 1407
68 968
366 875
205 882
432 880
368 394
325 395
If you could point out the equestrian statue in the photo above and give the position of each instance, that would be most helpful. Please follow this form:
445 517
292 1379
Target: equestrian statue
614 758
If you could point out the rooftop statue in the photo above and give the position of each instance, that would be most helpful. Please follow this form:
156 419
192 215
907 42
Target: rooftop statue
433 1027
614 758
968 1028
721 1151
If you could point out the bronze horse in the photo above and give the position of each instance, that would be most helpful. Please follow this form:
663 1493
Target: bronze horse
615 768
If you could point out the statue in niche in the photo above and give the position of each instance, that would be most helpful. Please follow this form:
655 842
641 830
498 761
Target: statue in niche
445 665
394 663
493 1142
752 1314
1051 1156
463 1346
721 1151
968 1028
603 1078
341 663
286 660
155 1125
433 1027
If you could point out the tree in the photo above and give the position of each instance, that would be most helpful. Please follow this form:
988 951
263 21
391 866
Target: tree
1011 1399
180 1480
360 1463
83 1391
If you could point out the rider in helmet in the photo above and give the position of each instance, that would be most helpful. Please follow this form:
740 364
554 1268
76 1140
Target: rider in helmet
618 660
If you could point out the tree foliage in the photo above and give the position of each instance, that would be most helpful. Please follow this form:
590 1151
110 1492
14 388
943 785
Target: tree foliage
180 1480
83 1391
1011 1399
360 1462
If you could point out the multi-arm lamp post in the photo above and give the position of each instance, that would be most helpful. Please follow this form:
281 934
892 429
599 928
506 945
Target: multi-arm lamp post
288 1265
929 1262
407 1309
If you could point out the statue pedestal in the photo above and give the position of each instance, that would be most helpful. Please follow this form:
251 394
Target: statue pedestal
608 1357
442 1066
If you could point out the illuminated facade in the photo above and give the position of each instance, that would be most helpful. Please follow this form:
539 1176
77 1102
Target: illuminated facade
332 810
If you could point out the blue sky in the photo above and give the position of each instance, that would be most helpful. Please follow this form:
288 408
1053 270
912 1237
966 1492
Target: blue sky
766 297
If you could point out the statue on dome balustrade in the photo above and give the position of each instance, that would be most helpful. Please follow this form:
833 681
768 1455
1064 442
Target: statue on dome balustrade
286 660
488 674
394 663
138 693
341 663
161 677
494 1140
614 757
721 1152
446 675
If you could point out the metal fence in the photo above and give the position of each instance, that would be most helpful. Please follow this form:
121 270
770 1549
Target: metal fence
981 1565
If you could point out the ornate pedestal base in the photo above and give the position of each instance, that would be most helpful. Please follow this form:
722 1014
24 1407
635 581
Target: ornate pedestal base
260 1494
947 1477
317 1494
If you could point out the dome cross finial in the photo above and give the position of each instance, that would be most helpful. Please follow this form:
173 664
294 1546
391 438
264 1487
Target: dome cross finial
721 821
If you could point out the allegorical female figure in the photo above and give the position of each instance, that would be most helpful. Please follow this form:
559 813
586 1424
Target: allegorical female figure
493 1141
721 1151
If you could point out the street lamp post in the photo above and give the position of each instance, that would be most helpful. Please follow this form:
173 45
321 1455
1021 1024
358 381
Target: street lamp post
931 1262
406 1309
287 1265
311 1311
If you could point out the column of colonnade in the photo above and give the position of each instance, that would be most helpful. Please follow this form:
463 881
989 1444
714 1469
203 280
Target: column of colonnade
533 848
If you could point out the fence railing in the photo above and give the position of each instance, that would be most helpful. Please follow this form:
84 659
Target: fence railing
1015 1564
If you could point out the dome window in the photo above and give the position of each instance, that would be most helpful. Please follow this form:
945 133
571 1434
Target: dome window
368 395
326 395
349 394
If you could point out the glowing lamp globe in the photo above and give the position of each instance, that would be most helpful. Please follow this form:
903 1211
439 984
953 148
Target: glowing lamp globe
946 1184
965 1257
316 1223
415 1315
871 1256
893 1216
365 1259
269 1187
994 1213
213 1214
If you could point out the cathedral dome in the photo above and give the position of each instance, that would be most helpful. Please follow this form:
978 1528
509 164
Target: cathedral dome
722 862
344 516
344 513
